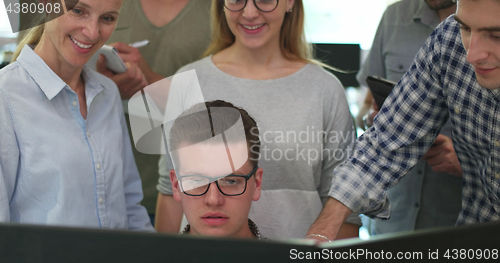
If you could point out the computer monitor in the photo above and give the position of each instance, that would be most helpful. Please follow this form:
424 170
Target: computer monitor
345 57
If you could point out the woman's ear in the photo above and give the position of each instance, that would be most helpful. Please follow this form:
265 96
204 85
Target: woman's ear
290 4
175 186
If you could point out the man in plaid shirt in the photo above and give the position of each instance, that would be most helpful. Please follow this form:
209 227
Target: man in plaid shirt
455 75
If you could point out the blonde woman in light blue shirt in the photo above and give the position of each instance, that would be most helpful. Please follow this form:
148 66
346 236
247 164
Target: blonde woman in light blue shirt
65 154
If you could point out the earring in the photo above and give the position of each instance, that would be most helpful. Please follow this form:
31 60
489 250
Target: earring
289 11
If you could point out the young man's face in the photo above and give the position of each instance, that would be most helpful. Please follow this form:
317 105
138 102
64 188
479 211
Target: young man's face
480 29
213 213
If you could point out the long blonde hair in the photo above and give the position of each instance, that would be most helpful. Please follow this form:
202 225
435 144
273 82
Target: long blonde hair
33 37
293 43
34 34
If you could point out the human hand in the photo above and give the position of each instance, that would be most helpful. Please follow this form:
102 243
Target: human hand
133 55
129 82
442 157
370 115
318 238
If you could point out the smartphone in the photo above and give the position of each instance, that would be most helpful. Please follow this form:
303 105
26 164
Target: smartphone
380 88
113 61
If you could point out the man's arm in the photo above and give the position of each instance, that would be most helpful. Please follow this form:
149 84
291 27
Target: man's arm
330 220
340 122
168 214
405 128
442 157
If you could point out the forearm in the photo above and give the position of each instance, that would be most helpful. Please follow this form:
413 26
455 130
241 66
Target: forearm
168 214
330 220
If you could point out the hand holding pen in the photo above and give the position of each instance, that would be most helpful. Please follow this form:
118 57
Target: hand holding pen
131 54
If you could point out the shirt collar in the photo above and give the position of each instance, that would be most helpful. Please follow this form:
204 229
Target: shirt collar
50 83
92 85
426 15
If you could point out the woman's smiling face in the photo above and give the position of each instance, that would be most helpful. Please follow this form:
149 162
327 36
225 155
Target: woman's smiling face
74 37
254 29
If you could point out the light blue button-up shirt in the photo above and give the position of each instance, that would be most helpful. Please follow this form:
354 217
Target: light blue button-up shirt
57 168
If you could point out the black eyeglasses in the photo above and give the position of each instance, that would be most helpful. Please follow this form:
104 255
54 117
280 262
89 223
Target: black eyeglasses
230 185
262 5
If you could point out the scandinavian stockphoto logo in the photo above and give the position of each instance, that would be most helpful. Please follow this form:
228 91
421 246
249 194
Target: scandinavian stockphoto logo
153 111
26 14
194 132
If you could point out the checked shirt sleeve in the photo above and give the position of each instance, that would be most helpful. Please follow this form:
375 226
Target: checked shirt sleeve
403 131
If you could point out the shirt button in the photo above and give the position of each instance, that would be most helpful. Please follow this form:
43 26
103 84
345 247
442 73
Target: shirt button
98 166
88 134
101 200
497 175
75 103
457 110
497 143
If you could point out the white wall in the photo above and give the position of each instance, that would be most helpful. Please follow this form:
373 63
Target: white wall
343 21
327 21
5 29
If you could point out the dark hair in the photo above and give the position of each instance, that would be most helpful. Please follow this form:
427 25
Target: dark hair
209 119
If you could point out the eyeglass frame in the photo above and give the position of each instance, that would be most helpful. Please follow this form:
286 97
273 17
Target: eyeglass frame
254 3
247 177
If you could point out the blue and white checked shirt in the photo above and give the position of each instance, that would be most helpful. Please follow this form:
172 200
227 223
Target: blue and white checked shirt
57 168
440 84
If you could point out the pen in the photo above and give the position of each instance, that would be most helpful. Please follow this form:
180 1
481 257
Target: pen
139 44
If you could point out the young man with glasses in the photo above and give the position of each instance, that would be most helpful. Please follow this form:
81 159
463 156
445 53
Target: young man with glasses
215 148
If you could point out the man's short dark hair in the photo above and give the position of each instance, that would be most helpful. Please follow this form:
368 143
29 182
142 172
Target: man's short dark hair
209 119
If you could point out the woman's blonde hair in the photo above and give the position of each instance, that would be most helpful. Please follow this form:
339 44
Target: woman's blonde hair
33 36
